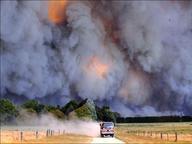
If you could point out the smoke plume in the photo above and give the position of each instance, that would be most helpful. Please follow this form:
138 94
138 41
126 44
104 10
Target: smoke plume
134 55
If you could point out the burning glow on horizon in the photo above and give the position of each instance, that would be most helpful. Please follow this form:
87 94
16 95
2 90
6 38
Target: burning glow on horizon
98 67
56 10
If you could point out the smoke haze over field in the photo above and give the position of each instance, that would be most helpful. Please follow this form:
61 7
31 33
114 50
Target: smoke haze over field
135 56
48 121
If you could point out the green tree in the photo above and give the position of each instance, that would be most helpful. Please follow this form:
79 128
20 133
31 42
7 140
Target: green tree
40 108
86 110
8 111
49 108
105 114
34 104
30 104
69 107
57 113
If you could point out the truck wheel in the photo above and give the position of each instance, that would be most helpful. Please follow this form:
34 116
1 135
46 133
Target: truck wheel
102 135
112 135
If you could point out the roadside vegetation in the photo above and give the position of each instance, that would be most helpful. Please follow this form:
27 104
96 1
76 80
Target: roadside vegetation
84 110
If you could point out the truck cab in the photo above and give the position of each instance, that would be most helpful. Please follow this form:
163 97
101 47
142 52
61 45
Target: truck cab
107 129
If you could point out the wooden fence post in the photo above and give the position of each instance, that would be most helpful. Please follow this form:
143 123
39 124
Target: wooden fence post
161 135
167 136
47 133
175 136
36 134
21 136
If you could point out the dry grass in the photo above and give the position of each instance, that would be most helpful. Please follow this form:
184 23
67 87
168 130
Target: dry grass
13 137
67 138
137 133
184 131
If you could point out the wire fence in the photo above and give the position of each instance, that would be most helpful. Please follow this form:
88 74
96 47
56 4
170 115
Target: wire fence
173 136
19 136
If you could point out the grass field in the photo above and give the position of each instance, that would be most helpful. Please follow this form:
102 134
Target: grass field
161 133
13 137
149 133
67 138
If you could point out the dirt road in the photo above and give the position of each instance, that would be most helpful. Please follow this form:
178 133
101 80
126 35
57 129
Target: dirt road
106 141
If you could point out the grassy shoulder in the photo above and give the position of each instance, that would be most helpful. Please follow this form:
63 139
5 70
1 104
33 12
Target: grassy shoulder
127 133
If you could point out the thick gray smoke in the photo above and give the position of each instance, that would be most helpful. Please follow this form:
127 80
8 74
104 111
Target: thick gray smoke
136 56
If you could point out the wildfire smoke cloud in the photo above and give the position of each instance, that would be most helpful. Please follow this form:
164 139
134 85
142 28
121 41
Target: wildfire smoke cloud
136 56
56 10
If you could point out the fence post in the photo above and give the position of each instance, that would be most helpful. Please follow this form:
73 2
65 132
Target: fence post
175 136
161 135
21 136
36 134
52 132
167 136
47 133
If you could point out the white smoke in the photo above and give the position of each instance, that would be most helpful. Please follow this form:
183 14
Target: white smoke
48 121
40 58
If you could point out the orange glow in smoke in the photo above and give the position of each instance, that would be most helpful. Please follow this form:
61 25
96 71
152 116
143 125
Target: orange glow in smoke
56 10
98 67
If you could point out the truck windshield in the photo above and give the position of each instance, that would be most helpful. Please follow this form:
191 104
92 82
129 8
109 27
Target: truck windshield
108 125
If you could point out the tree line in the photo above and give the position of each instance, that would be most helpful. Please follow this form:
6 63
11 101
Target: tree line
9 112
154 119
